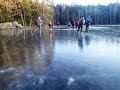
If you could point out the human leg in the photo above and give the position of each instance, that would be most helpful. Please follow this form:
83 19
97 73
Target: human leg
81 27
78 29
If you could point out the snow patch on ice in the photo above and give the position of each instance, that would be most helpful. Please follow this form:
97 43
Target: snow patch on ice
71 80
99 28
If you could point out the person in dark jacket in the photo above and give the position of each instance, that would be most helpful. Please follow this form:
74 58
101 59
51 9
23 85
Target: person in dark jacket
81 23
72 22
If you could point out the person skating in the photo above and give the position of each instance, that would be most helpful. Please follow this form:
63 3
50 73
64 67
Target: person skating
39 22
50 25
88 20
81 23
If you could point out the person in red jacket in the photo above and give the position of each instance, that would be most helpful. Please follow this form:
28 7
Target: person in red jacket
39 22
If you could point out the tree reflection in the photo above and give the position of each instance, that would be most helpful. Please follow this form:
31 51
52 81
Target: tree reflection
24 57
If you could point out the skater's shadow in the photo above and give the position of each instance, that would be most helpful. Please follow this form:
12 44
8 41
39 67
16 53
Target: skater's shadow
87 39
83 40
80 41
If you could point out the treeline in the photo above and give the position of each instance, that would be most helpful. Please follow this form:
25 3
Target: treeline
25 11
100 14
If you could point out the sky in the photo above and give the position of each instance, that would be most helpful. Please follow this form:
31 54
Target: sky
85 2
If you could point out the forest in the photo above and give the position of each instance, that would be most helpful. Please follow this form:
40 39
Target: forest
25 11
100 14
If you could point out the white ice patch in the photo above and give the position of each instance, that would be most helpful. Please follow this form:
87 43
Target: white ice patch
51 29
100 67
71 80
7 70
41 80
38 55
69 29
34 83
99 28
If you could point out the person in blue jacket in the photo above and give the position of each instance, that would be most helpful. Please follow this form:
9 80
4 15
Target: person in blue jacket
88 20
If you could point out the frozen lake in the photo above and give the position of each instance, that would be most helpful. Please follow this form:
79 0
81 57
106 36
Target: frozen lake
60 59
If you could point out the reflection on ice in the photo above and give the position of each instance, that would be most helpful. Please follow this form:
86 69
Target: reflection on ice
60 59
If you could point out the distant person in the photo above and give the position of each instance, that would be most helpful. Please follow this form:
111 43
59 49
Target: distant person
50 25
69 24
39 22
58 24
81 23
88 20
72 23
76 23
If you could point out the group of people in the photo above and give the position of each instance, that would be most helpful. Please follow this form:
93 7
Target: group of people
78 24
